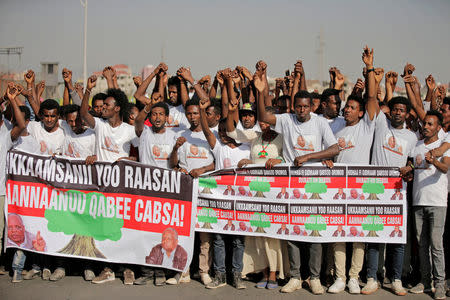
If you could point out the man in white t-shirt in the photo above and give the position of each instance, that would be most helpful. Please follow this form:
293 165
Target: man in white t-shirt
79 141
113 137
304 137
430 205
47 132
26 142
354 142
7 137
331 106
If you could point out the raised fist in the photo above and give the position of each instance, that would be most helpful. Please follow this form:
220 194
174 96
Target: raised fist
431 84
91 82
137 81
29 77
367 56
408 70
379 72
67 75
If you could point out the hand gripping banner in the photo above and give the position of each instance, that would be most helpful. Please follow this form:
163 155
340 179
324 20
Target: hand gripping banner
312 203
123 212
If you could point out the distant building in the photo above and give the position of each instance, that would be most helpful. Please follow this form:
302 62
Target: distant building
124 80
49 73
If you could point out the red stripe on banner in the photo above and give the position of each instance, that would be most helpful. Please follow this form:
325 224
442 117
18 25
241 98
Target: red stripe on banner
224 179
388 220
272 217
331 220
331 182
388 182
276 182
151 214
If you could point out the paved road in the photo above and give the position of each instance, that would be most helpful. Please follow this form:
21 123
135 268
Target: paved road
75 288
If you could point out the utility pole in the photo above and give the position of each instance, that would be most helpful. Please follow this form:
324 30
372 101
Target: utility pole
85 5
320 54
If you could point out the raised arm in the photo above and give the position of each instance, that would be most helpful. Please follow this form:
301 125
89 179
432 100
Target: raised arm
209 135
108 73
184 95
227 75
297 78
140 92
390 83
84 110
34 98
263 116
372 106
12 92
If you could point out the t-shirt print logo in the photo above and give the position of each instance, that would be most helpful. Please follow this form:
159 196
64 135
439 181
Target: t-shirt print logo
305 143
197 152
393 144
71 151
160 152
173 121
420 162
346 142
109 145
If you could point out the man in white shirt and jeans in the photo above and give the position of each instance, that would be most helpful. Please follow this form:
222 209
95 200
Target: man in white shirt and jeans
430 205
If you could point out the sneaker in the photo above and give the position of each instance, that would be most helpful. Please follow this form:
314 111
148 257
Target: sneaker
397 288
353 286
32 274
17 277
218 281
106 275
160 280
88 275
142 280
293 285
261 284
316 286
337 287
439 293
59 274
46 274
128 277
271 285
205 278
420 288
185 278
2 270
174 280
237 281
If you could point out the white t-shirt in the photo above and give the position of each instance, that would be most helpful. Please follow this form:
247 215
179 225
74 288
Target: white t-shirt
112 143
78 145
195 152
26 143
336 124
391 146
155 148
354 142
177 118
5 144
227 157
50 142
430 184
301 138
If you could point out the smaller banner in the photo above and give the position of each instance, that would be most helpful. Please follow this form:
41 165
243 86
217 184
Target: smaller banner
123 212
312 203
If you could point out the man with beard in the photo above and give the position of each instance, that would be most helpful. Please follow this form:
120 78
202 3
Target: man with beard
331 106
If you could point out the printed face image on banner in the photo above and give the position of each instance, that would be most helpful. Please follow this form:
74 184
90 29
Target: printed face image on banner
394 144
195 151
346 142
168 253
160 151
305 143
355 194
109 145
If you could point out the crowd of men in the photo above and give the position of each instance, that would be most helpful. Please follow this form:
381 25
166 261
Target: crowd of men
194 131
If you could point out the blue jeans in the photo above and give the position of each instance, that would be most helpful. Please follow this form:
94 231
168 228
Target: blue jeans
430 223
219 253
397 251
18 261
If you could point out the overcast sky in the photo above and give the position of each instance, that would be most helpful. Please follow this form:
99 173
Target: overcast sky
208 34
